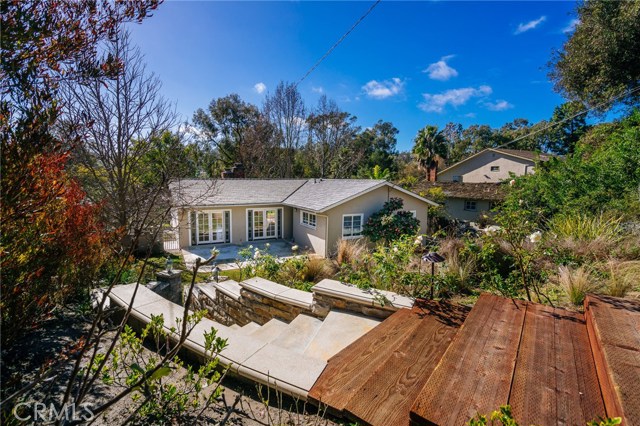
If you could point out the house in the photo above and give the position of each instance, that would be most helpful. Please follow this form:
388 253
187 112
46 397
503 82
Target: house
492 165
467 201
313 213
472 186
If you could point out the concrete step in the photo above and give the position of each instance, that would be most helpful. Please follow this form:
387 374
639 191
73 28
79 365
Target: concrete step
270 331
247 329
235 327
300 332
339 329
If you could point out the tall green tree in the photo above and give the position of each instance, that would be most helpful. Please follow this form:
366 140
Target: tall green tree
569 126
601 59
429 144
379 144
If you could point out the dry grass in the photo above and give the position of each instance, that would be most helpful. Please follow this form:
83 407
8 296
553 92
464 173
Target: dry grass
577 283
622 277
350 250
316 269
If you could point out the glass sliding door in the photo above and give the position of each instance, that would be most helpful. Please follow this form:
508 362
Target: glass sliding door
270 229
258 224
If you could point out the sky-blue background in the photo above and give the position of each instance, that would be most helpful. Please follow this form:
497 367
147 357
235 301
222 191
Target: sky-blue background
493 53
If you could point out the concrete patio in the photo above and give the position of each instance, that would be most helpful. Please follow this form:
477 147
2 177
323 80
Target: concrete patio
229 253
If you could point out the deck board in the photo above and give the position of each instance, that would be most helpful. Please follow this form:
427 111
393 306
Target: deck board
475 373
614 331
555 381
350 368
386 398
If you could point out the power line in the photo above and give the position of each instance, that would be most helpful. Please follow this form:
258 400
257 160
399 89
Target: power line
615 98
338 42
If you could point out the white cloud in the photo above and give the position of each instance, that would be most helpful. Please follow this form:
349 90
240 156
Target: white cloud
318 89
523 27
383 89
470 115
499 105
454 97
441 70
571 26
260 88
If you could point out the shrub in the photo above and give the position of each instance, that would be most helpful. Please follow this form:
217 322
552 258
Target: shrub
315 270
349 251
576 282
391 222
622 277
584 227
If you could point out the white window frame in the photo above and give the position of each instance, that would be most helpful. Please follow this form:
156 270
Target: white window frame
352 215
312 224
475 205
495 169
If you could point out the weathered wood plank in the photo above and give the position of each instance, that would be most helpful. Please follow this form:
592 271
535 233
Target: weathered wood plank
555 380
614 333
386 398
352 367
475 372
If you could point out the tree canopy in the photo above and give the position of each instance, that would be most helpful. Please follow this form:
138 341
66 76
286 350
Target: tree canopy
601 59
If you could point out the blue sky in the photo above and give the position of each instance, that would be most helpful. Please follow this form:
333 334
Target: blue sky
410 63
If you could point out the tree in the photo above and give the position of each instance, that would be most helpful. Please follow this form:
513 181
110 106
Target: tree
601 59
226 125
119 120
331 136
391 222
566 134
43 212
286 112
379 146
429 144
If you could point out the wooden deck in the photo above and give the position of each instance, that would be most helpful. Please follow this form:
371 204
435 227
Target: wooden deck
614 329
376 379
536 358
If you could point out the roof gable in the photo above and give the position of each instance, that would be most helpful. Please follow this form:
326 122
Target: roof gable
517 153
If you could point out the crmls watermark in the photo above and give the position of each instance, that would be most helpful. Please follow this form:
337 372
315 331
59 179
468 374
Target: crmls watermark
40 412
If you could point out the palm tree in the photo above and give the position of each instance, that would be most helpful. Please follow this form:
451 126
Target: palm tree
429 144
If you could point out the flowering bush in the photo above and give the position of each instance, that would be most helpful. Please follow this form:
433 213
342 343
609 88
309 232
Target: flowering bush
391 223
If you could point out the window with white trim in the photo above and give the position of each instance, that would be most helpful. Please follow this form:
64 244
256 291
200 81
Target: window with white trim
470 205
352 225
495 168
308 219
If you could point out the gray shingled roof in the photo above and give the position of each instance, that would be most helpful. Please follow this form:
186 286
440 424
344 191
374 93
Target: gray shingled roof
310 194
320 194
221 192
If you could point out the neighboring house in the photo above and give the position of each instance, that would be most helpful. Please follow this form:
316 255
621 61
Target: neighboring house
492 165
467 201
472 186
313 213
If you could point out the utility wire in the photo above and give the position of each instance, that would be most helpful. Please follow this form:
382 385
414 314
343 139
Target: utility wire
615 98
338 42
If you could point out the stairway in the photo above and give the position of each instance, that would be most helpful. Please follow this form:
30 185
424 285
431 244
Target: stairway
287 356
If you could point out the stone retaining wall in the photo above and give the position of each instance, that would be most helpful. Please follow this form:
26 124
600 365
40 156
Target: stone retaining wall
241 305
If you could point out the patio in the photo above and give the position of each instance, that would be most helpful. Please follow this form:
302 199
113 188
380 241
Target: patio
229 253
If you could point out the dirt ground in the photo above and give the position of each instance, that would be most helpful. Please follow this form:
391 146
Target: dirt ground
242 402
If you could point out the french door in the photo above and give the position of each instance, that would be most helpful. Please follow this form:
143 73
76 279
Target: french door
210 227
264 223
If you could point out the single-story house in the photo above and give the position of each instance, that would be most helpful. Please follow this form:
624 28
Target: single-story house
492 165
313 213
467 201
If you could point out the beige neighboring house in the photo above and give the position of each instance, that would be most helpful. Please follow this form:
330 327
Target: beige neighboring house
473 186
312 213
492 165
